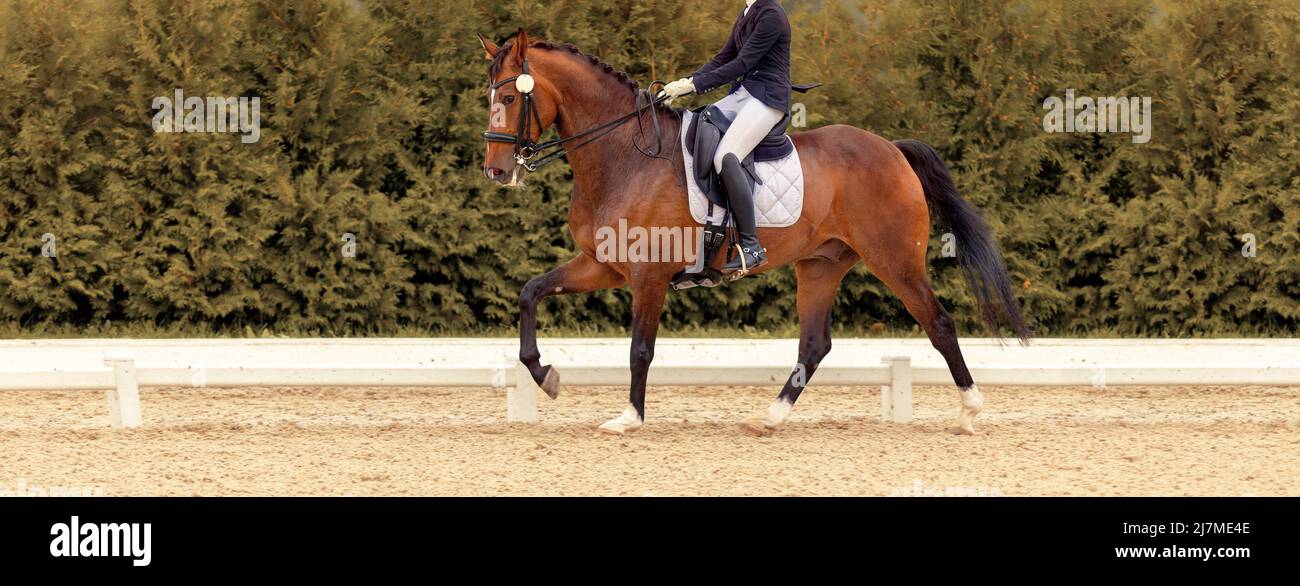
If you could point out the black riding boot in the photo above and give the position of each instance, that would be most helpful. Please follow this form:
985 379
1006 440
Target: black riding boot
751 254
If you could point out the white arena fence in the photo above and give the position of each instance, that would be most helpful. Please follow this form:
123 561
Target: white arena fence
122 366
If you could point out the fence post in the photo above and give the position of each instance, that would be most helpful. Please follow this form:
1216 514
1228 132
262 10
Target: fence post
896 398
124 397
521 397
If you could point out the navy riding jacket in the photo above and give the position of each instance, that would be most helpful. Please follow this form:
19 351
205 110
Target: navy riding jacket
756 56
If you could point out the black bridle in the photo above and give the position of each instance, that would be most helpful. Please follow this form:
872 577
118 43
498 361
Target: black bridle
526 148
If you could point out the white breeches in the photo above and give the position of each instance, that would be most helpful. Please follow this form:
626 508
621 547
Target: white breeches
751 121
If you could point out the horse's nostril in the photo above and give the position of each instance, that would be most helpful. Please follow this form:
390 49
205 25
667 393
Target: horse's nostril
493 172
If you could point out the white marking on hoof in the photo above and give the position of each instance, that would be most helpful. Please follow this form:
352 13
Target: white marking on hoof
551 382
971 403
625 423
764 423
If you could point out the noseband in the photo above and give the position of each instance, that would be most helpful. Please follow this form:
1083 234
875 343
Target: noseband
526 148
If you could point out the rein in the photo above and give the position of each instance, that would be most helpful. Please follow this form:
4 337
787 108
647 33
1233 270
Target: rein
526 149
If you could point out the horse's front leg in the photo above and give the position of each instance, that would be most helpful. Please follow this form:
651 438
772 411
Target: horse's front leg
581 274
648 295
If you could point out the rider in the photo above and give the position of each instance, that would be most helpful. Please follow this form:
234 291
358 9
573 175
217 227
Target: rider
757 58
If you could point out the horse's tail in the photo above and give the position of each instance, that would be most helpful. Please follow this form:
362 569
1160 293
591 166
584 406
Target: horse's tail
976 251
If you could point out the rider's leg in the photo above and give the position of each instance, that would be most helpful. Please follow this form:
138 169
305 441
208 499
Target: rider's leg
731 103
751 254
752 123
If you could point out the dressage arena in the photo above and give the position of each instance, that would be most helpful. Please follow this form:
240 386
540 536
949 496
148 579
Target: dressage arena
1206 439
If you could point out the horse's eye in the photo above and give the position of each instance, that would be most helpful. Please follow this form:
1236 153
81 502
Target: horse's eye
509 100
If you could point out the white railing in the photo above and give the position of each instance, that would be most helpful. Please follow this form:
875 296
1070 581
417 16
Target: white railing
122 367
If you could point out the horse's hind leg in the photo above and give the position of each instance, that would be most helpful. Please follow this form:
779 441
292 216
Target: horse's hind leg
943 336
893 248
910 284
818 281
581 274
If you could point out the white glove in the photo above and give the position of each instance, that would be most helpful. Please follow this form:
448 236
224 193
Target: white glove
678 89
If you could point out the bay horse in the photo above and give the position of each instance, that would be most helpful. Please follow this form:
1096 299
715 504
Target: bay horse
865 199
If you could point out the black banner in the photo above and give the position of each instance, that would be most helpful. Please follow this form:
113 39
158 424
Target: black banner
165 535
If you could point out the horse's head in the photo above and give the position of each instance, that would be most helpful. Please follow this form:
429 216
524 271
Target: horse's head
521 107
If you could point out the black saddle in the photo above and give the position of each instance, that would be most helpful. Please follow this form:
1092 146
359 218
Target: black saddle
705 134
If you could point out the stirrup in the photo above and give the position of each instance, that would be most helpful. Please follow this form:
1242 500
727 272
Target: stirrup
745 269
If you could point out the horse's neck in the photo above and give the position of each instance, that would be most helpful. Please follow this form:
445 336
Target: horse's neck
603 168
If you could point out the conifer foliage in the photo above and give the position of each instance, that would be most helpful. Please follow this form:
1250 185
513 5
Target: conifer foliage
361 208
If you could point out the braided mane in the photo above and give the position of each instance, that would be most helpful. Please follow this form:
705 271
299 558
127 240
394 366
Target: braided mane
622 77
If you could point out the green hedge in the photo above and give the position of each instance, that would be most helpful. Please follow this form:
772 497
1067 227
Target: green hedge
371 118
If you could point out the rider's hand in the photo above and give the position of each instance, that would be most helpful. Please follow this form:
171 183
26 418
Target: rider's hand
678 89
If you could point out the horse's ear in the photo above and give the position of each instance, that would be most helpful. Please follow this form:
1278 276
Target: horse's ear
488 46
519 49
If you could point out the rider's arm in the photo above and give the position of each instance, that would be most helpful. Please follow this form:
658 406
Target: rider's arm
765 35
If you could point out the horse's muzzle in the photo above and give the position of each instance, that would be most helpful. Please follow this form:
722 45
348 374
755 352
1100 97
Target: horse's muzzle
512 178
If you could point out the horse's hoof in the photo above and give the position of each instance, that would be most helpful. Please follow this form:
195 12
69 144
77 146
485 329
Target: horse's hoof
616 427
608 429
628 422
971 404
756 427
551 382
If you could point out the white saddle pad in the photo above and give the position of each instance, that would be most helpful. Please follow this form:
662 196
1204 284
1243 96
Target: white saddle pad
778 201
